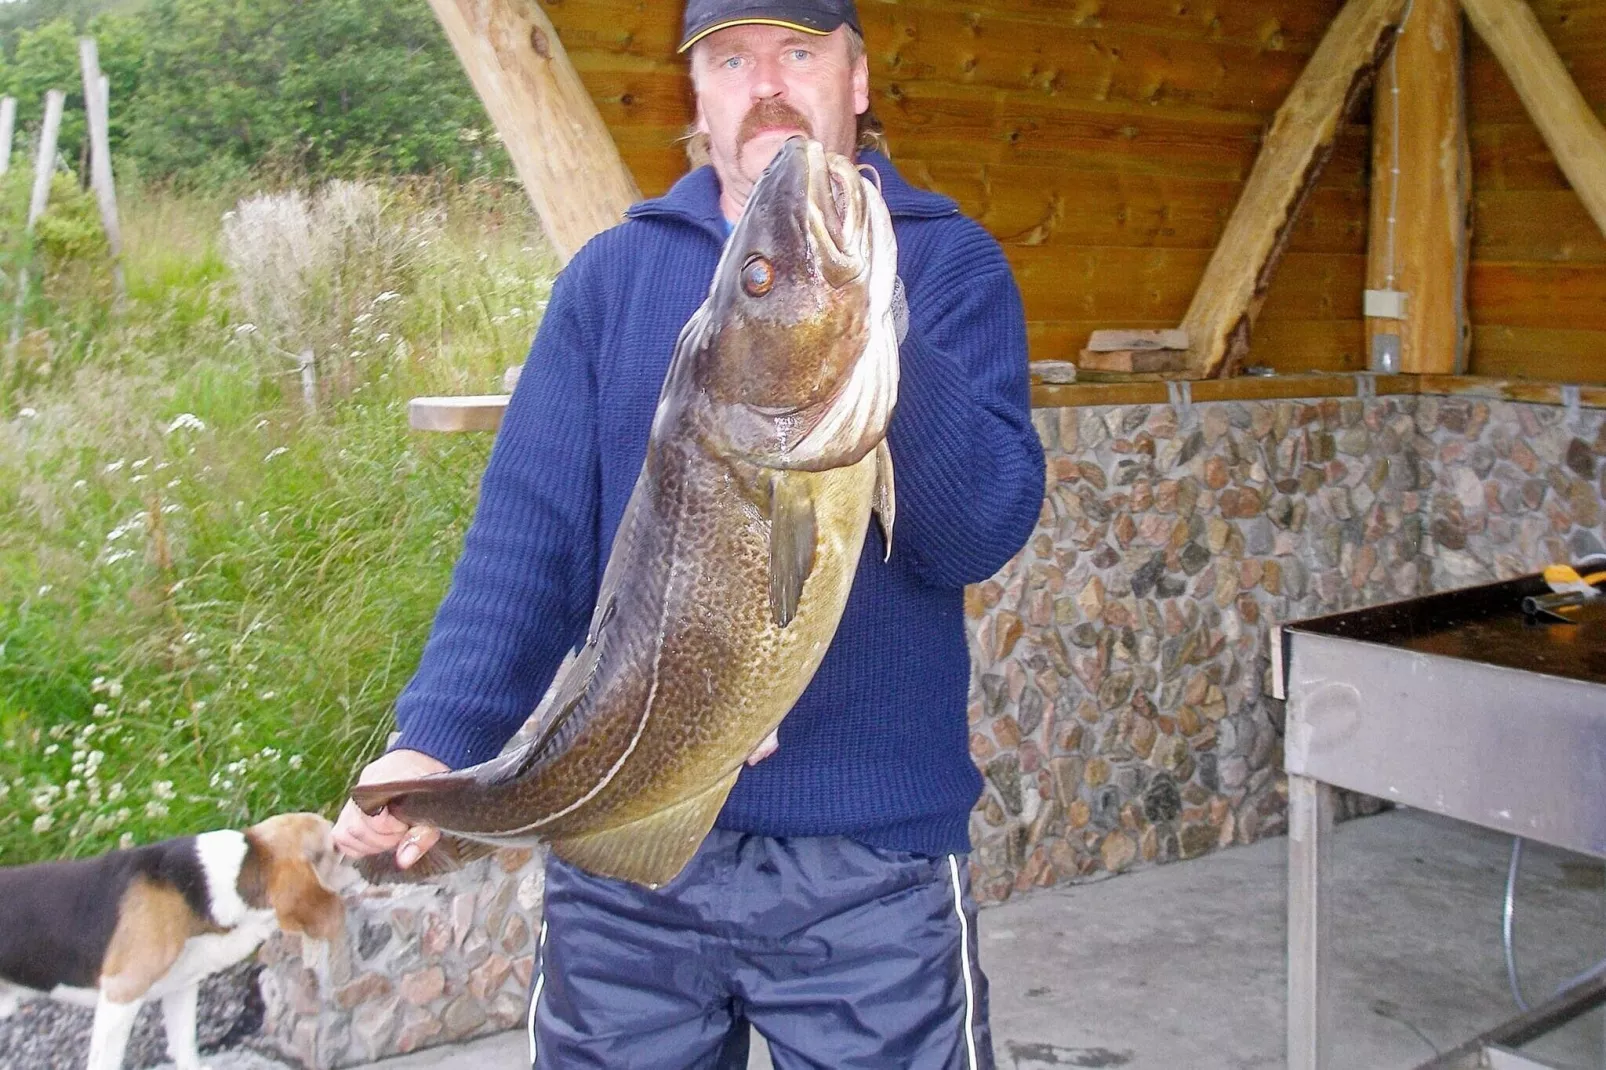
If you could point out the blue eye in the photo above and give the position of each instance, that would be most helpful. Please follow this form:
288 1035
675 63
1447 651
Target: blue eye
800 54
732 63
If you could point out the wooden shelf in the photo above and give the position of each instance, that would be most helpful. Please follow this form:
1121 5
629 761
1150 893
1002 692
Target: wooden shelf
484 412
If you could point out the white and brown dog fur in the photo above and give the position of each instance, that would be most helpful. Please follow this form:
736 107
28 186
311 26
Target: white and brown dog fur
152 922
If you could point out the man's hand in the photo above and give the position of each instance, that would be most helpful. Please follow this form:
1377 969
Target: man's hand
357 834
771 744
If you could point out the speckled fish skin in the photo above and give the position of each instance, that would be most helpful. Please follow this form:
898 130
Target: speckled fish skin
736 553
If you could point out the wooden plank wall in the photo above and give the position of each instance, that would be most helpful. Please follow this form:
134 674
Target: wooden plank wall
1103 142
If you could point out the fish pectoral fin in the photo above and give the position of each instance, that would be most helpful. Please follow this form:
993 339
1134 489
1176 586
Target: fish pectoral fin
651 850
885 501
792 535
450 854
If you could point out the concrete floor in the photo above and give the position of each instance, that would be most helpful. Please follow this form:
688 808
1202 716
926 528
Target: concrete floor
1182 966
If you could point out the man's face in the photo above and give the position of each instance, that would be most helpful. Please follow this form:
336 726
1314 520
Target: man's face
759 85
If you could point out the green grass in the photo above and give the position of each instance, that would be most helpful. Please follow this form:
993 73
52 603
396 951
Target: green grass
210 598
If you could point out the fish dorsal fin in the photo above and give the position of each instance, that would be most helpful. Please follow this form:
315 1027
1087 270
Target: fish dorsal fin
885 502
653 849
792 534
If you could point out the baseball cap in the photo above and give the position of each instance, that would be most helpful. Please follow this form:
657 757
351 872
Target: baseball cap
703 17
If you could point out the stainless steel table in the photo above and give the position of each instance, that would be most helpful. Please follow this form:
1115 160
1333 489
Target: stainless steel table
1453 703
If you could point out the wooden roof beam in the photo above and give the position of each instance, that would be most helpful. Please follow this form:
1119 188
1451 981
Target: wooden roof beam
1297 146
1564 118
560 147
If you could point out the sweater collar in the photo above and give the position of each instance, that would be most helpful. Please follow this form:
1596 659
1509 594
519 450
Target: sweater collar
695 198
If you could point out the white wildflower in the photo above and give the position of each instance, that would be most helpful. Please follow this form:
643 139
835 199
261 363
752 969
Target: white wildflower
101 710
120 555
245 329
163 789
28 414
115 792
114 688
42 824
52 749
268 696
274 452
125 841
80 484
44 589
294 761
141 463
388 295
187 421
115 466
154 809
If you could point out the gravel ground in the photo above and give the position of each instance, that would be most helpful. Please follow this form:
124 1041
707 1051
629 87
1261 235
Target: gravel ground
46 1035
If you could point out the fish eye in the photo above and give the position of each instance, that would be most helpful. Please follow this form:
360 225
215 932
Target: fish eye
758 275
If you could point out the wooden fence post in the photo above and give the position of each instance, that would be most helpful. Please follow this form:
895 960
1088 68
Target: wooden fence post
100 157
8 127
44 165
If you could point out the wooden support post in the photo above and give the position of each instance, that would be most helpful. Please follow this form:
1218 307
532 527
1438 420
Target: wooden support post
1291 158
1564 118
44 166
100 155
1421 180
560 147
8 128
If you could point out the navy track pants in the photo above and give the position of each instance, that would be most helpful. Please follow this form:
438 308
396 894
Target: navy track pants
843 956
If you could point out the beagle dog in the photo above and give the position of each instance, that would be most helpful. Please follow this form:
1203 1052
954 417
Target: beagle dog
151 922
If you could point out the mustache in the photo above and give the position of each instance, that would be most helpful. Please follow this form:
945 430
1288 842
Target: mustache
771 112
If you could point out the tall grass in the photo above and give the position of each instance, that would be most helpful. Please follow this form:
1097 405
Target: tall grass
211 595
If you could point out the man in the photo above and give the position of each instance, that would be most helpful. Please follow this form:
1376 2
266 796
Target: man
829 907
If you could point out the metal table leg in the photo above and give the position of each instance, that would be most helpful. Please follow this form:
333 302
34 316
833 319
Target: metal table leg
1310 827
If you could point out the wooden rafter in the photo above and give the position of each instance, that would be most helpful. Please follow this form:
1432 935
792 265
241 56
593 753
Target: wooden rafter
560 147
1301 138
1564 118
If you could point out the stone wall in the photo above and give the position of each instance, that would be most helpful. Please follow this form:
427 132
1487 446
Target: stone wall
1118 703
419 965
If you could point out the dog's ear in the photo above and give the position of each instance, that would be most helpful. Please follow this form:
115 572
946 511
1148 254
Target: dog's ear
304 905
286 859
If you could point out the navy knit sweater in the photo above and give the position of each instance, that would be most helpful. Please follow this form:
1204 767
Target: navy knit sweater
877 748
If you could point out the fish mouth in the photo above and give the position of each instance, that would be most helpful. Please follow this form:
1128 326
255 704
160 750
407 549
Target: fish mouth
835 213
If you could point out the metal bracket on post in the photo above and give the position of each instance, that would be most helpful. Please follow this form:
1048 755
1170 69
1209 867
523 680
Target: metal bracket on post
1366 385
1572 401
1180 392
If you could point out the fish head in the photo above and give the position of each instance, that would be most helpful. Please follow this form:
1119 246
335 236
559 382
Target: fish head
798 353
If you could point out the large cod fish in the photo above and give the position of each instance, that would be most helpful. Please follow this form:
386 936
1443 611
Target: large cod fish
735 555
